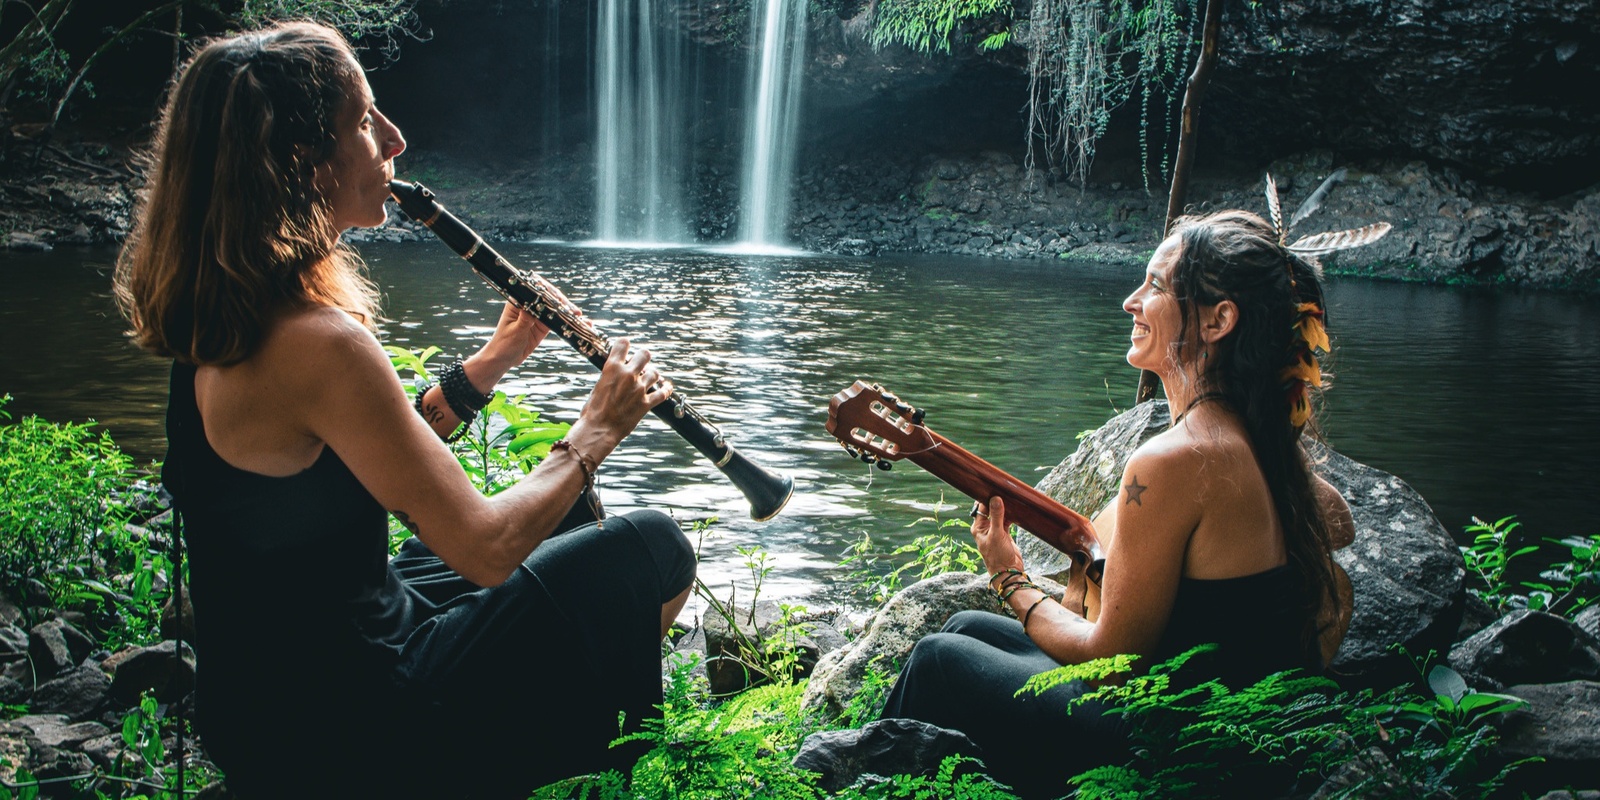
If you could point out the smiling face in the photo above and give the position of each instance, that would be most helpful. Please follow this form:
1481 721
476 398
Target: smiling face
1157 318
355 180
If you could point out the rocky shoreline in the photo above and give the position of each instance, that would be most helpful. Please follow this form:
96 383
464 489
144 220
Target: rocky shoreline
1447 229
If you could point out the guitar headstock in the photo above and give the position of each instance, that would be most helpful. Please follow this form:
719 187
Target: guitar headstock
875 425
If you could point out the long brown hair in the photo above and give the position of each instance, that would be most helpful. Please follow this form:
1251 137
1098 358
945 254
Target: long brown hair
231 228
1236 255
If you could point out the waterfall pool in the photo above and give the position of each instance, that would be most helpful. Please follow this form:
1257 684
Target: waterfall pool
1483 401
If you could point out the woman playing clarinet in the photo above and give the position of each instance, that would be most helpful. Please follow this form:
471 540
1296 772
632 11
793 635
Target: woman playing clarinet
1220 534
492 657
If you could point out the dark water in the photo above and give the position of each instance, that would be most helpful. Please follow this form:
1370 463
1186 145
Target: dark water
1486 403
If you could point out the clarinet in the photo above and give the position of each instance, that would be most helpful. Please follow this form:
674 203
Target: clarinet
766 491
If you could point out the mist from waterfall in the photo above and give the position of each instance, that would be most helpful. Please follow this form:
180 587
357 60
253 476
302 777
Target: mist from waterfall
771 126
641 152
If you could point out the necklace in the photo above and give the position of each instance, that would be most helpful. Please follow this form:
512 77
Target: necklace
1197 401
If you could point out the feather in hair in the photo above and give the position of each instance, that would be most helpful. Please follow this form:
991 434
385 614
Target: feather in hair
1312 331
1275 209
1324 243
1314 202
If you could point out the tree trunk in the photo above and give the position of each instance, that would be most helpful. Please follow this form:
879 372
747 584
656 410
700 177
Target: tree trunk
1192 94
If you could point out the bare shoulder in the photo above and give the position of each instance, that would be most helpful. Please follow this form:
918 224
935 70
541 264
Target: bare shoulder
315 343
1169 463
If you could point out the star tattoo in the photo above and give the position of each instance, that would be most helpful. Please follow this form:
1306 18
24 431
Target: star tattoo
1134 491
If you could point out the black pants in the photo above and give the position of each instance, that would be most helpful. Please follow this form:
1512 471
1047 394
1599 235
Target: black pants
522 684
966 678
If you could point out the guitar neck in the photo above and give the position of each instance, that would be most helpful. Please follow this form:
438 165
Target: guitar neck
1034 511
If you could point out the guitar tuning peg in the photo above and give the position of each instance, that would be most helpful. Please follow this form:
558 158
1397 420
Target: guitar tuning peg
890 397
916 416
885 464
865 456
903 410
854 453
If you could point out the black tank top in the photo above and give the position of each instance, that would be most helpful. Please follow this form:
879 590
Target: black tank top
1254 619
298 616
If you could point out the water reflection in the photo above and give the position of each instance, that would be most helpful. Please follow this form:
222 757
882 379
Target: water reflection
1483 402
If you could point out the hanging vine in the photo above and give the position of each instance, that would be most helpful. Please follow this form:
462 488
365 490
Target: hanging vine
1088 57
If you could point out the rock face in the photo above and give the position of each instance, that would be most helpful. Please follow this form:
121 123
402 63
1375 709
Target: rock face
1405 570
917 611
723 647
1491 84
884 747
1527 647
1561 724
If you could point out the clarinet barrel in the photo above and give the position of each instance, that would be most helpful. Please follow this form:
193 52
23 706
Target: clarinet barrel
766 491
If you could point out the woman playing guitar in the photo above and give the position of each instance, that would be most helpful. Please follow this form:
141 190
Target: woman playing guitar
1220 533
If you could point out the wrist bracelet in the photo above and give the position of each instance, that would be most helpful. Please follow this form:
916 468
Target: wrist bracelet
588 467
464 399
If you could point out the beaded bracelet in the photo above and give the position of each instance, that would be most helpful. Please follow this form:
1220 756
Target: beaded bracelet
1013 588
1007 572
460 394
588 468
1029 614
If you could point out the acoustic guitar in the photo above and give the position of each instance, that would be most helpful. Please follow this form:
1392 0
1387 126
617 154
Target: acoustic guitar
878 427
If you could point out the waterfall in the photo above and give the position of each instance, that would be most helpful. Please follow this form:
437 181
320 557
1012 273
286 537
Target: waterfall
640 150
770 128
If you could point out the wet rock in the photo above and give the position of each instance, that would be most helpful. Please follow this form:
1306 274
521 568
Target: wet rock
12 692
53 730
1476 615
1527 647
915 612
1560 724
1588 620
27 243
79 694
9 613
36 595
160 669
13 643
884 747
47 646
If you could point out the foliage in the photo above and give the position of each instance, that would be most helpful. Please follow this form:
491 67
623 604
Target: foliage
1565 587
1286 731
1088 57
34 61
701 749
60 513
139 772
929 555
928 25
504 443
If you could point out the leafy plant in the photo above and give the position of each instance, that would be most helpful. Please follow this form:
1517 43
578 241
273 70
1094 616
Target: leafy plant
1489 556
1571 584
928 25
925 556
1565 587
505 442
1286 731
61 506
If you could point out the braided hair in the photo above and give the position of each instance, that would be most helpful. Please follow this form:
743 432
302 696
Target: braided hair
1264 370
